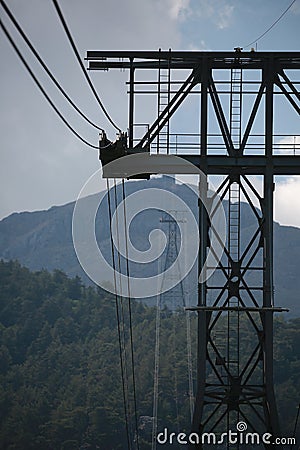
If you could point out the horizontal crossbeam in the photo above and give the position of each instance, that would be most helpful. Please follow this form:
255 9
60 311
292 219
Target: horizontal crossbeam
209 164
236 308
100 60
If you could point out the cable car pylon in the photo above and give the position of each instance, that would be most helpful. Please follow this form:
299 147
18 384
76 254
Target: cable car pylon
244 390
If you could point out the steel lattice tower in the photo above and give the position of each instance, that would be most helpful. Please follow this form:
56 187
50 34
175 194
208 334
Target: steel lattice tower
231 386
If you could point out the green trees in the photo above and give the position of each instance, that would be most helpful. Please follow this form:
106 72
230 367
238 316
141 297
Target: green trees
60 373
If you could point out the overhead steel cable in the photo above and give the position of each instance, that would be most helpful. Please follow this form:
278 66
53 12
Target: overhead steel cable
125 399
175 366
45 67
128 373
296 423
156 372
189 362
122 313
272 26
71 40
130 314
42 89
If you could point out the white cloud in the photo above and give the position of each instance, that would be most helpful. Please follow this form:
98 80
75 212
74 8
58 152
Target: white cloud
224 17
286 198
220 12
287 204
287 189
179 9
289 145
199 48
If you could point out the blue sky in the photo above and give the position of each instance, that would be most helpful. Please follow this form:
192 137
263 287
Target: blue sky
223 24
42 163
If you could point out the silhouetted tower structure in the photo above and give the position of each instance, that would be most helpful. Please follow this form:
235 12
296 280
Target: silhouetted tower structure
230 386
173 298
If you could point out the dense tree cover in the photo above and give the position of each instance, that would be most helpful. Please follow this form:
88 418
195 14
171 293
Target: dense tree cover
61 386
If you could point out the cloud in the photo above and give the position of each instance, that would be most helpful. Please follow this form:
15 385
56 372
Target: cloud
224 17
219 12
289 145
200 47
179 9
287 194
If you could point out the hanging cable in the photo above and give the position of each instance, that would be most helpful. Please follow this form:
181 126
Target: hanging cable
175 365
47 70
185 303
122 313
42 89
272 26
121 317
67 31
296 422
156 372
125 400
130 312
190 363
156 365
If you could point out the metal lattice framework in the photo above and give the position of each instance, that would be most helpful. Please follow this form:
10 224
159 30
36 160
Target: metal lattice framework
231 386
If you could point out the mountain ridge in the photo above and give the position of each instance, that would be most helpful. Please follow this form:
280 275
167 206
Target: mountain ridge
43 240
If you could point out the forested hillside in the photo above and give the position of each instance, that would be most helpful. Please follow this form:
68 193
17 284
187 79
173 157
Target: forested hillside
61 386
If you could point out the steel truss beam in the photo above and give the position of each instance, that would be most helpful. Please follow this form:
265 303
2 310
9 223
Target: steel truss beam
231 386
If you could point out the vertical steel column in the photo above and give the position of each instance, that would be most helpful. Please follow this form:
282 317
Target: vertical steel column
169 99
131 103
203 316
158 102
271 415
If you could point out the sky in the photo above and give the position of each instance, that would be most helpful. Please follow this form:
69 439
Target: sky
42 163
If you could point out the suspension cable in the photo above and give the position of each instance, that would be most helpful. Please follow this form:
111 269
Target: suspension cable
190 362
156 369
122 314
188 342
45 67
126 231
296 422
125 401
270 28
175 365
156 372
88 79
42 89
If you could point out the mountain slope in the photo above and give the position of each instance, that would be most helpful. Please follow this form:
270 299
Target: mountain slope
43 239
